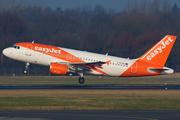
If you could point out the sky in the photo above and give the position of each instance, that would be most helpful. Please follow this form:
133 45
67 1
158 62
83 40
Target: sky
117 5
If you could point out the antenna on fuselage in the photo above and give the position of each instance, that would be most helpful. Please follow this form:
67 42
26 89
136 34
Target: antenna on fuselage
106 54
32 41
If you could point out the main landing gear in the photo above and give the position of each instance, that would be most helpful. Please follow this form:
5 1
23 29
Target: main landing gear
26 68
81 78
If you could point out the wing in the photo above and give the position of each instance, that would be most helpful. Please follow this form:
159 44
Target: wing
86 66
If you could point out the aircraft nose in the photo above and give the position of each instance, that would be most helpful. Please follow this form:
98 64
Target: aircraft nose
10 53
5 51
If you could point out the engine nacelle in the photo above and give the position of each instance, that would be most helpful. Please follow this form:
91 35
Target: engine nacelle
58 69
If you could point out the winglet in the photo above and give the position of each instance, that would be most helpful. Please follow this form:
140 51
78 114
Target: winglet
107 62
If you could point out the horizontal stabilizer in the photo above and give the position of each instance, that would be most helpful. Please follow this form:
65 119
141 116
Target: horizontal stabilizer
163 71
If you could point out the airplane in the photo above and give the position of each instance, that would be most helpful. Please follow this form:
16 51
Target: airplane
63 61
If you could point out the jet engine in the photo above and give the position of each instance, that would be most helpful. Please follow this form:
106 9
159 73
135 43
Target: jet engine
59 69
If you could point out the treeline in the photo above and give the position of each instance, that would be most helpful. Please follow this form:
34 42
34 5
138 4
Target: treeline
129 33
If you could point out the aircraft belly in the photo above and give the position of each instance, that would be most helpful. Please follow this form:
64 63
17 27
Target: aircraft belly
114 71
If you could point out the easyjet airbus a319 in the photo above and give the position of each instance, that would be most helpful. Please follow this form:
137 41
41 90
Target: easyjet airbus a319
64 61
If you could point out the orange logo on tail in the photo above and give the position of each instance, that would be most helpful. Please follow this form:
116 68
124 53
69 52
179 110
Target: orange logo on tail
160 48
158 54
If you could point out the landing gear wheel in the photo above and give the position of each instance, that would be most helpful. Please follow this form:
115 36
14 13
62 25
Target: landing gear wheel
81 80
25 72
26 68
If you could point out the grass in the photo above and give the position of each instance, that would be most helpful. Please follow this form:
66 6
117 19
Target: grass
75 99
89 99
54 80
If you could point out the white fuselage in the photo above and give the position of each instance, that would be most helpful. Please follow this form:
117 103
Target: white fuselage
115 68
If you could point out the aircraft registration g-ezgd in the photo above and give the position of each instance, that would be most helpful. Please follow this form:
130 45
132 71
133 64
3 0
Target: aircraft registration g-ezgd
64 61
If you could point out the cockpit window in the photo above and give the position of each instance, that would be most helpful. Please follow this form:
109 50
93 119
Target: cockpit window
16 47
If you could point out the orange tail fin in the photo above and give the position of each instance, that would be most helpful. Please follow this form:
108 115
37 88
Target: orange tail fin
159 53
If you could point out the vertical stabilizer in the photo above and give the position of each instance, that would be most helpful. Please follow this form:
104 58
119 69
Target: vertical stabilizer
159 53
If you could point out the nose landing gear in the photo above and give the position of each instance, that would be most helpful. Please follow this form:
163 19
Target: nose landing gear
26 68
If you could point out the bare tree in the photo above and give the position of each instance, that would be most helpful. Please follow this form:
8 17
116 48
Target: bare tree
129 7
155 7
10 4
143 7
136 7
2 5
38 3
166 6
22 5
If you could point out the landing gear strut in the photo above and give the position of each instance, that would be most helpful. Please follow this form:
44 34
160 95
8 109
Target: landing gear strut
26 68
81 80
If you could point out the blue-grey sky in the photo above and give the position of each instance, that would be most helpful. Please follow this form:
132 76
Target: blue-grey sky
117 5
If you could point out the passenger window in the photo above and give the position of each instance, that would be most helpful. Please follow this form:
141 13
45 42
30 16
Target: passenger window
126 64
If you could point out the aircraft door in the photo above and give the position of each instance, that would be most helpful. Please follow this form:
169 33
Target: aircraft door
28 50
134 68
